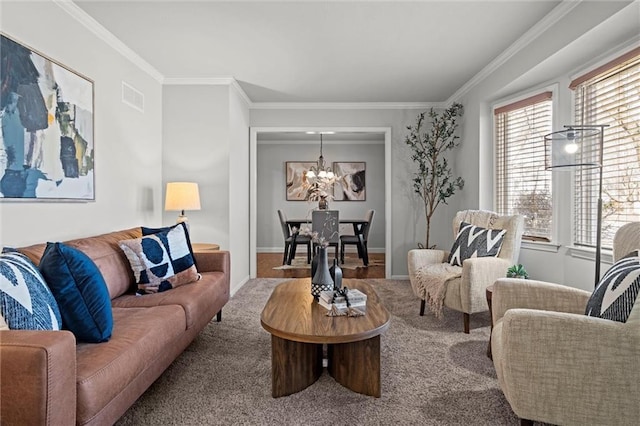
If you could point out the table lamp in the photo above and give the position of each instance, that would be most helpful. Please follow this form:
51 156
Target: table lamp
181 196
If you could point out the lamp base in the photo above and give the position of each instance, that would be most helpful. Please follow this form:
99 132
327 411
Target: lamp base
182 218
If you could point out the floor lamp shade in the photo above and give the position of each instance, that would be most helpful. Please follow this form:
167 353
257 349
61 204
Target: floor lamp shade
579 147
181 196
574 147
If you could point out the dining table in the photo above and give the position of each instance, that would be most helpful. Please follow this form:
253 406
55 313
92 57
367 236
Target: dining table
358 231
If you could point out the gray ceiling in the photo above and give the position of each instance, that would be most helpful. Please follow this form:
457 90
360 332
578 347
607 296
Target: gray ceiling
323 51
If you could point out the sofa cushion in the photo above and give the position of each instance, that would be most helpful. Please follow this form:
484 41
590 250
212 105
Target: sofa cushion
26 303
80 291
616 293
161 261
475 241
140 336
203 298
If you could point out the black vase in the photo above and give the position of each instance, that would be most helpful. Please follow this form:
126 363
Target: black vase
336 275
321 280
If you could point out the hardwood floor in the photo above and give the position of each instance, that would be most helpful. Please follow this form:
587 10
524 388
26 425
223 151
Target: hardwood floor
267 261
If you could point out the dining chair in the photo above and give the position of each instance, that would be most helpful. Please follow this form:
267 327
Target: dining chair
290 243
327 224
360 241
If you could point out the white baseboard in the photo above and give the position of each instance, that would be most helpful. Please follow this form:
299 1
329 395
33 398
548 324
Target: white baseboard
238 286
399 277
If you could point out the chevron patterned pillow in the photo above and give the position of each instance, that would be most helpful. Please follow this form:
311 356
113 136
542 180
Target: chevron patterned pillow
474 241
617 291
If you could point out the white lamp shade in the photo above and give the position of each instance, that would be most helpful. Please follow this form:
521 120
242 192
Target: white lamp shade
182 196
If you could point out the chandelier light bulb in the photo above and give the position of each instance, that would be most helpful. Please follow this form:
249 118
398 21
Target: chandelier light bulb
310 174
322 174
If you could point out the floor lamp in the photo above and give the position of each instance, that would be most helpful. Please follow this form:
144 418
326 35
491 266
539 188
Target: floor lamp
579 147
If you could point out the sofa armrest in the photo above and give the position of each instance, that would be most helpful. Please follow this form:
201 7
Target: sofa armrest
38 377
509 293
566 368
214 261
478 273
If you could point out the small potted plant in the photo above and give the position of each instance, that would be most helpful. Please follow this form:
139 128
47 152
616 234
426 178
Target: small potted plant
517 271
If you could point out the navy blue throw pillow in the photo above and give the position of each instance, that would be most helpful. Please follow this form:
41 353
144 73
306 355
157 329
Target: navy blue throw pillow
80 290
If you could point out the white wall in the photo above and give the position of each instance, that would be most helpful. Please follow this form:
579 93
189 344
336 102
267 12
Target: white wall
205 140
128 143
590 32
271 158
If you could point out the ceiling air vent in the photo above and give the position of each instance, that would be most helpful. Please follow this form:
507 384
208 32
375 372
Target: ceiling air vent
132 97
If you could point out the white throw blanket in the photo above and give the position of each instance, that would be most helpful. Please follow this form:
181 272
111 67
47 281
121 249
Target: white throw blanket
432 283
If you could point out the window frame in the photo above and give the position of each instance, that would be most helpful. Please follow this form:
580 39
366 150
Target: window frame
586 73
533 243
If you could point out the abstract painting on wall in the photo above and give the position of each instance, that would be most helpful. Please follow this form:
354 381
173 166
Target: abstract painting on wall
351 186
295 178
46 146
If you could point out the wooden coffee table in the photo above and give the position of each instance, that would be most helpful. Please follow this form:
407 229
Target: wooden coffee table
299 328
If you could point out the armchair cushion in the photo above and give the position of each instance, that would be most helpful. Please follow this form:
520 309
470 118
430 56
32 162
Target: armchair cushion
475 241
617 291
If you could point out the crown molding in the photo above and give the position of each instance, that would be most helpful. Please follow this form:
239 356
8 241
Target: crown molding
243 95
210 81
347 105
564 8
102 33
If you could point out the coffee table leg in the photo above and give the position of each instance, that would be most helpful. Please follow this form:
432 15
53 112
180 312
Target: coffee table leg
356 365
294 366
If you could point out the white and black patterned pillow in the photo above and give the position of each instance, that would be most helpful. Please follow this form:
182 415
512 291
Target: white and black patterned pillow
161 261
26 303
475 241
617 291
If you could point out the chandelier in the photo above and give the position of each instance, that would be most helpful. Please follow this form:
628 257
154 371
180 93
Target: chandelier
319 179
320 170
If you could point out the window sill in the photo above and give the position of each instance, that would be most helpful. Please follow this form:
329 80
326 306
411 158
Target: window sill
540 246
588 253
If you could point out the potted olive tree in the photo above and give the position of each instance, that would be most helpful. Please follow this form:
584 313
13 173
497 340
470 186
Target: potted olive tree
434 181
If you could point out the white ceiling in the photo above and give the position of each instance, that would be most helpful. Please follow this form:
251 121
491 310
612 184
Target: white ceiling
322 51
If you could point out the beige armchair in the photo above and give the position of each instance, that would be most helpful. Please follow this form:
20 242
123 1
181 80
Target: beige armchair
467 293
557 365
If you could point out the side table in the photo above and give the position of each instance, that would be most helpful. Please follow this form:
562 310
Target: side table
204 247
489 294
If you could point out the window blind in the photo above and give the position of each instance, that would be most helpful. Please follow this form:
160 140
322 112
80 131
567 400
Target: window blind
610 96
522 185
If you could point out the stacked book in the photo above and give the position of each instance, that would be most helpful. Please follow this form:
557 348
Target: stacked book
357 299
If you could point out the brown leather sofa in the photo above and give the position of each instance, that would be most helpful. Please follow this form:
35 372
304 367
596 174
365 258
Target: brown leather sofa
48 378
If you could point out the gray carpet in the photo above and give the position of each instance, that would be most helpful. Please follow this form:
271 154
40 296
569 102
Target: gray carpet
432 374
